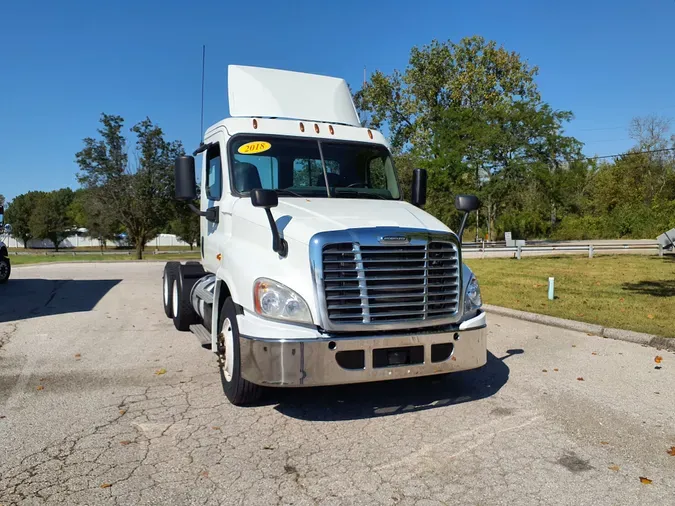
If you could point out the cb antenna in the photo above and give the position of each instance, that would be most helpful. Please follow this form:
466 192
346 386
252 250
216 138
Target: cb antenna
201 122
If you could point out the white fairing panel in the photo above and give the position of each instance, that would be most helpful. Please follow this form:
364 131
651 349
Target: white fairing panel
261 92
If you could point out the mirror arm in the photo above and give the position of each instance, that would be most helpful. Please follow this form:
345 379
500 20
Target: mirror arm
210 214
202 147
278 243
463 226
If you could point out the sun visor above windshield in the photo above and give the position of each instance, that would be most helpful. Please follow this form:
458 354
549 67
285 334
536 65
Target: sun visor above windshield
261 92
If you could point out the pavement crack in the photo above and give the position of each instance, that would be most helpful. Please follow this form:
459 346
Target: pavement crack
6 335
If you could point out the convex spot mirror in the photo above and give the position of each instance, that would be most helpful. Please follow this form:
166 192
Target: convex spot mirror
264 198
466 203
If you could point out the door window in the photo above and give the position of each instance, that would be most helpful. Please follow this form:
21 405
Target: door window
214 173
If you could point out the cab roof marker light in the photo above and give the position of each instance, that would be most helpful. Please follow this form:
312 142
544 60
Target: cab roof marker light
331 129
370 134
302 127
316 127
255 124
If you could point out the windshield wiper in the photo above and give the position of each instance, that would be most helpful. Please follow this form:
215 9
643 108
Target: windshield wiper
352 191
284 191
323 167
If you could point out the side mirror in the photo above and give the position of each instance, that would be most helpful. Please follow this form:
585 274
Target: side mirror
419 187
465 204
186 187
268 199
8 229
184 172
264 198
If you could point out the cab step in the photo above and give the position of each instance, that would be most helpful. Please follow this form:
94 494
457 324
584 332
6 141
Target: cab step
202 335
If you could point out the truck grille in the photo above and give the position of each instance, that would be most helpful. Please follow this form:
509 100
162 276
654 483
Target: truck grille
390 284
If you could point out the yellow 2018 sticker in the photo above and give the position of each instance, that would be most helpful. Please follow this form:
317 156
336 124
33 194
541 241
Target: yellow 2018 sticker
251 148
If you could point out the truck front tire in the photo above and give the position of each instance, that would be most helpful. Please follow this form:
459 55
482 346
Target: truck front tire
5 269
238 390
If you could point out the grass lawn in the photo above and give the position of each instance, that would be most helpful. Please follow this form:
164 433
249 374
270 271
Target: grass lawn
36 259
633 292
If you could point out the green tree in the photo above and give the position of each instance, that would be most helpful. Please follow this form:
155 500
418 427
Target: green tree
471 114
88 211
2 210
632 195
186 225
139 194
473 73
18 214
49 219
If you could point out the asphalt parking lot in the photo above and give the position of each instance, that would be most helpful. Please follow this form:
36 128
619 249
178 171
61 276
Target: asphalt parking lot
103 402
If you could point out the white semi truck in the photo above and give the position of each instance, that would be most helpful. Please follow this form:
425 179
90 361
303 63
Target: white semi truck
314 270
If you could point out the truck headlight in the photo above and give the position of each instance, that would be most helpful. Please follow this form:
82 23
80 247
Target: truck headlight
472 298
274 300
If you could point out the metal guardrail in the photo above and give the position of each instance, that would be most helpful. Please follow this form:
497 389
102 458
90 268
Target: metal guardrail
590 248
467 247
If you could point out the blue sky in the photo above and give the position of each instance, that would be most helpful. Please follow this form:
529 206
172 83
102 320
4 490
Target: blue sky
63 63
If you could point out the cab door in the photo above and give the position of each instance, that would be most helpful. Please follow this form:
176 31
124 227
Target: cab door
211 196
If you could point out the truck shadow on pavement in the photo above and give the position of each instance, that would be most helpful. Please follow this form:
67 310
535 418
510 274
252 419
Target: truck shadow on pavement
369 400
21 299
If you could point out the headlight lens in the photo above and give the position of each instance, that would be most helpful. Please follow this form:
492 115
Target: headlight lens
275 300
472 298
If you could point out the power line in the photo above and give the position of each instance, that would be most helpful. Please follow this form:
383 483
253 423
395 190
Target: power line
608 140
602 128
629 153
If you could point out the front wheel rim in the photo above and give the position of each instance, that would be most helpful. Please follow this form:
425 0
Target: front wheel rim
227 354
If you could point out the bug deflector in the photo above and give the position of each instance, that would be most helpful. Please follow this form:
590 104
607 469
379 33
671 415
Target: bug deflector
261 92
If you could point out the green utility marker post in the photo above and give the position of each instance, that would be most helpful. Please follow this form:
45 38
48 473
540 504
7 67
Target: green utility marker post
551 284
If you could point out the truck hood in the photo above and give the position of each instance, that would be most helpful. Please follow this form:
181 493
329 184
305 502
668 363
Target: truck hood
300 218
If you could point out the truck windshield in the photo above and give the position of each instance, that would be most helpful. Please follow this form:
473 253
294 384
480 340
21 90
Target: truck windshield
312 168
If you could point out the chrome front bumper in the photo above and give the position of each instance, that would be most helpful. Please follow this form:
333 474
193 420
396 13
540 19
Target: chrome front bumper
313 362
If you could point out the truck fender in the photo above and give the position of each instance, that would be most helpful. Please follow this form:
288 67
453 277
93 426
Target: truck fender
220 295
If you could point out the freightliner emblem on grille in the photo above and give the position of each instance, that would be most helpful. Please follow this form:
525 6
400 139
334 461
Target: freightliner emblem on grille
394 239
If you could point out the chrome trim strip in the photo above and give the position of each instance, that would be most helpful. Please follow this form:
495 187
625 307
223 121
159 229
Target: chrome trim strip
370 237
360 275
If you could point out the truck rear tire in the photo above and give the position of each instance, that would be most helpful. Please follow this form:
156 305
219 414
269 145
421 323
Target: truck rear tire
168 279
238 390
5 269
183 313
